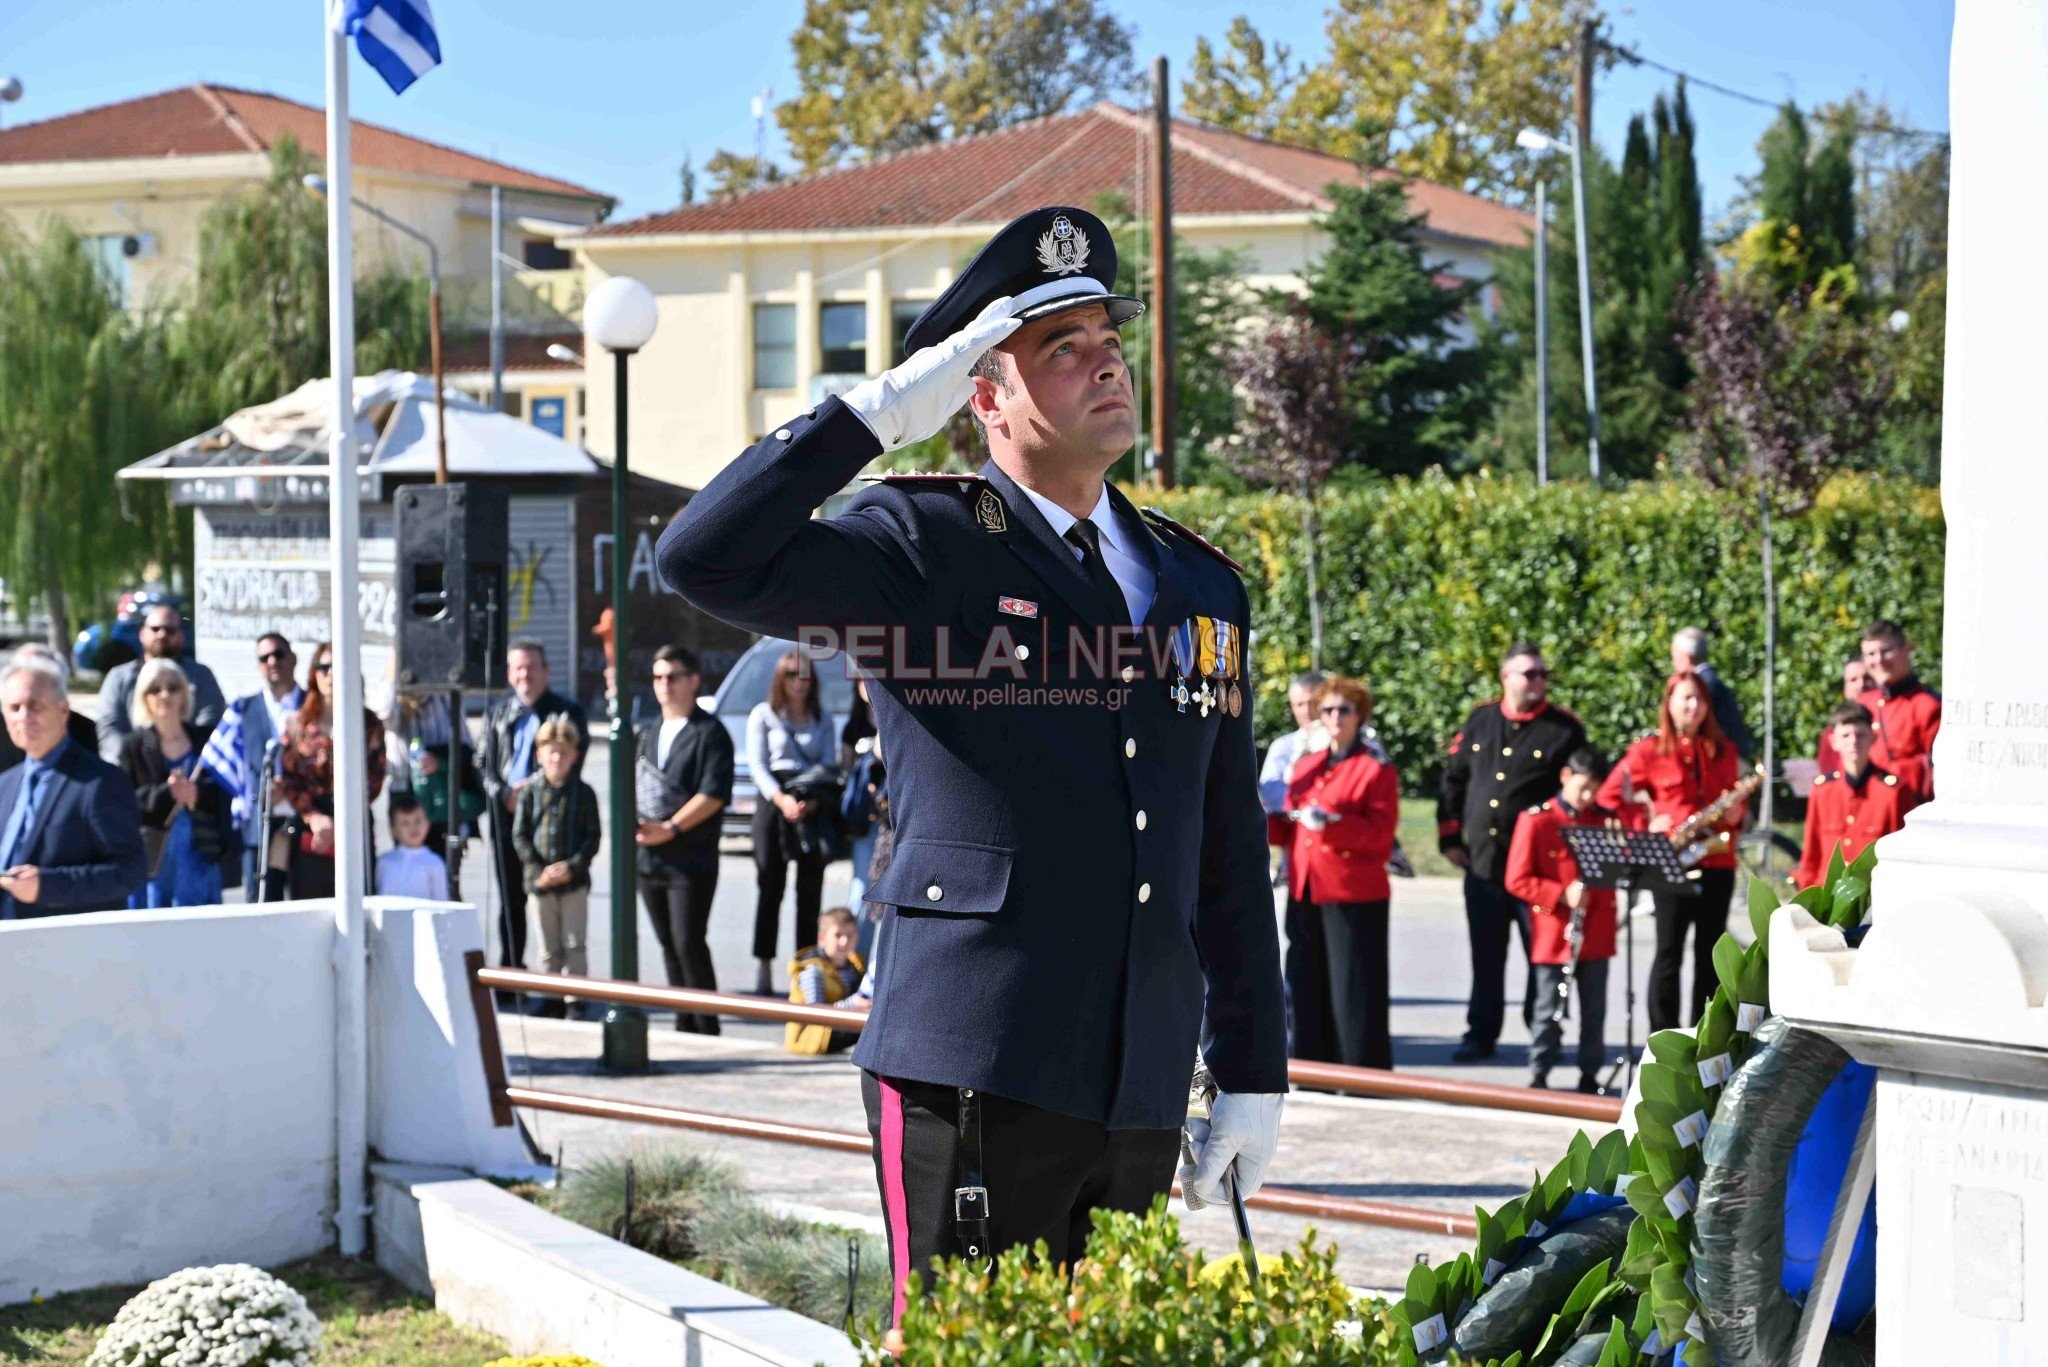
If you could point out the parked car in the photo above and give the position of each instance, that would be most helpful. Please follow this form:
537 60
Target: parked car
745 688
103 645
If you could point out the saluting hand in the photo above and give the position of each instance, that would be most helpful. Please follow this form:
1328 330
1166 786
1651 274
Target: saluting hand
919 397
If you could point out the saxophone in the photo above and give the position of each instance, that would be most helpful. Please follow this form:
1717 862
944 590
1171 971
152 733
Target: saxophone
1696 838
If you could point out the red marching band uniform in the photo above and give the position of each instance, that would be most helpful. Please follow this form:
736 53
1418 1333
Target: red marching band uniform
1345 861
1541 867
1852 815
1678 784
1907 717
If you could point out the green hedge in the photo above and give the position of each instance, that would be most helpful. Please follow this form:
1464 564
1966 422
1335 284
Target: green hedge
1426 581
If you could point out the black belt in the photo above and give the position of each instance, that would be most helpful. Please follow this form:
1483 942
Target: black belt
970 1198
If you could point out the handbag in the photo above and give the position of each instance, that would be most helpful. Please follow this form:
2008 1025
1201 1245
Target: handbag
820 835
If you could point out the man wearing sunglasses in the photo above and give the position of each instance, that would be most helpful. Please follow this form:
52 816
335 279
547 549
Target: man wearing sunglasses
1504 760
163 638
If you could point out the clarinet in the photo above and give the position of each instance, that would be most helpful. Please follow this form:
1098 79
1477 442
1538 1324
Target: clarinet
1575 936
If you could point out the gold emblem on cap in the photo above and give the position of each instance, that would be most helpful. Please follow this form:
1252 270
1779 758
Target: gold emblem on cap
1062 248
988 510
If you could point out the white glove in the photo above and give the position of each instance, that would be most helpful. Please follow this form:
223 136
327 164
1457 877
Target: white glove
1242 1125
916 399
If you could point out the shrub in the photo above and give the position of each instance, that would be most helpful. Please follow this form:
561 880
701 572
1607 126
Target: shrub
232 1315
694 1210
1426 581
1139 1295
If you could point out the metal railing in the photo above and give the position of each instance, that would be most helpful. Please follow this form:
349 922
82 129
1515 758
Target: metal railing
1373 1082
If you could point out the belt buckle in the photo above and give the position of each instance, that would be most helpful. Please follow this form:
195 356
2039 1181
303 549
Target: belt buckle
970 1203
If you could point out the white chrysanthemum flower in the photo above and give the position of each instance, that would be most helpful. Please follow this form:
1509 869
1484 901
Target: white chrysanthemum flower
232 1315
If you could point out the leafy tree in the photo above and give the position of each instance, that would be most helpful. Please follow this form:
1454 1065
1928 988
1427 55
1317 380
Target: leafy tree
80 396
883 75
1437 89
686 175
734 173
1295 429
1806 206
1901 176
1417 389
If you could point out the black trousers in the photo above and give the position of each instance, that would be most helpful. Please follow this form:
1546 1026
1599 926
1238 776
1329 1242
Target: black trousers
1489 911
1355 943
1044 1172
1706 916
1308 985
511 890
680 907
771 875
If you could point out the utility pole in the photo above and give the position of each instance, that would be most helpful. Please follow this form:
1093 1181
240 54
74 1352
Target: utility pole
1162 275
1542 333
497 299
1582 148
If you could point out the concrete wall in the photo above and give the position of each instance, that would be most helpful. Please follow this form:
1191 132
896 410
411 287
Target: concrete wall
169 1093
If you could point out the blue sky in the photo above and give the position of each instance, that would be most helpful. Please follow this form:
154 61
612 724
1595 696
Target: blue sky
611 93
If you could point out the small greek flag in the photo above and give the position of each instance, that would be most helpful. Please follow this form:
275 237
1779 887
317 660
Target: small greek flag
223 755
395 36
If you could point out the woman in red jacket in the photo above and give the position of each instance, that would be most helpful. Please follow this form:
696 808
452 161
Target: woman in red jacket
1681 767
1344 803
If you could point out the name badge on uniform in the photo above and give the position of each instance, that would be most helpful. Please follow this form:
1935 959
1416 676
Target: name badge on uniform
1017 607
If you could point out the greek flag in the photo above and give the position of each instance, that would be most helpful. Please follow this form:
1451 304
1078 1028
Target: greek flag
395 36
223 755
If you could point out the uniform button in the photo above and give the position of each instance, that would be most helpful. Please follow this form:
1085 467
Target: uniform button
1130 673
1141 821
1493 830
1852 821
1500 778
934 892
1023 652
1507 749
1144 892
1130 749
1493 802
782 434
1539 754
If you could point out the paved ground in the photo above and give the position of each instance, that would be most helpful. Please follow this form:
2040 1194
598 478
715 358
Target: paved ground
1400 1151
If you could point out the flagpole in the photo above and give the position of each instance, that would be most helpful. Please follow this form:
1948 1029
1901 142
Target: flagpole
351 807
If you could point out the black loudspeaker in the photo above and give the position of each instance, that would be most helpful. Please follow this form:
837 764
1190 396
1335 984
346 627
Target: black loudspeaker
452 543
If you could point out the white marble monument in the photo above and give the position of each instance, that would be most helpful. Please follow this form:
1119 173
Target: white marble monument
1946 993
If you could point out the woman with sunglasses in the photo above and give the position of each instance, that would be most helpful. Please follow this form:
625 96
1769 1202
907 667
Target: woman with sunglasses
303 850
184 808
1664 778
1345 803
787 735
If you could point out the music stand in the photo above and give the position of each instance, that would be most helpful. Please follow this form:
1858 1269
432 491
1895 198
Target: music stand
1610 857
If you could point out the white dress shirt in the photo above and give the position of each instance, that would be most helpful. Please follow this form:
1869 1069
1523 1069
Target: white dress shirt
1120 552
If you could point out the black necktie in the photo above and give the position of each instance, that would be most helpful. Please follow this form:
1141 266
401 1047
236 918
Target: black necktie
1088 537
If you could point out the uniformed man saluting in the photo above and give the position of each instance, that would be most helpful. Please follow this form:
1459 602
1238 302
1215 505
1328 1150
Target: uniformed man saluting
1079 883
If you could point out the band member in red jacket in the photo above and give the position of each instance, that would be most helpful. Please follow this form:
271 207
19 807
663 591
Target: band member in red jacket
1906 712
1345 804
1543 873
1856 803
1674 772
1855 683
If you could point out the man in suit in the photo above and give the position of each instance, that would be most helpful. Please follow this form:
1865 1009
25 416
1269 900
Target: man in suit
76 724
508 765
264 714
1080 864
70 830
163 637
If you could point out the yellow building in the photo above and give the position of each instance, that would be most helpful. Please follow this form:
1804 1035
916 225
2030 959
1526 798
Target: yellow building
775 298
137 177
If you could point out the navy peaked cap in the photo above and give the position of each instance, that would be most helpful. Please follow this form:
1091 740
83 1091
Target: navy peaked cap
1048 260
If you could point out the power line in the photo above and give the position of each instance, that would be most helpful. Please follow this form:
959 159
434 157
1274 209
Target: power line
1634 58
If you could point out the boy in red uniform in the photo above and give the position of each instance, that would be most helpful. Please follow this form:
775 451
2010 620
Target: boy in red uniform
1857 803
1905 712
1542 873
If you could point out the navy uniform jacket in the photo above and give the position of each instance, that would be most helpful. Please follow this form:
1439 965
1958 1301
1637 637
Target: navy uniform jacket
1071 877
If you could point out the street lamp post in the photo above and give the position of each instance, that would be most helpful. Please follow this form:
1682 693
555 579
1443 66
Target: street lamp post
619 316
1542 336
1532 140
